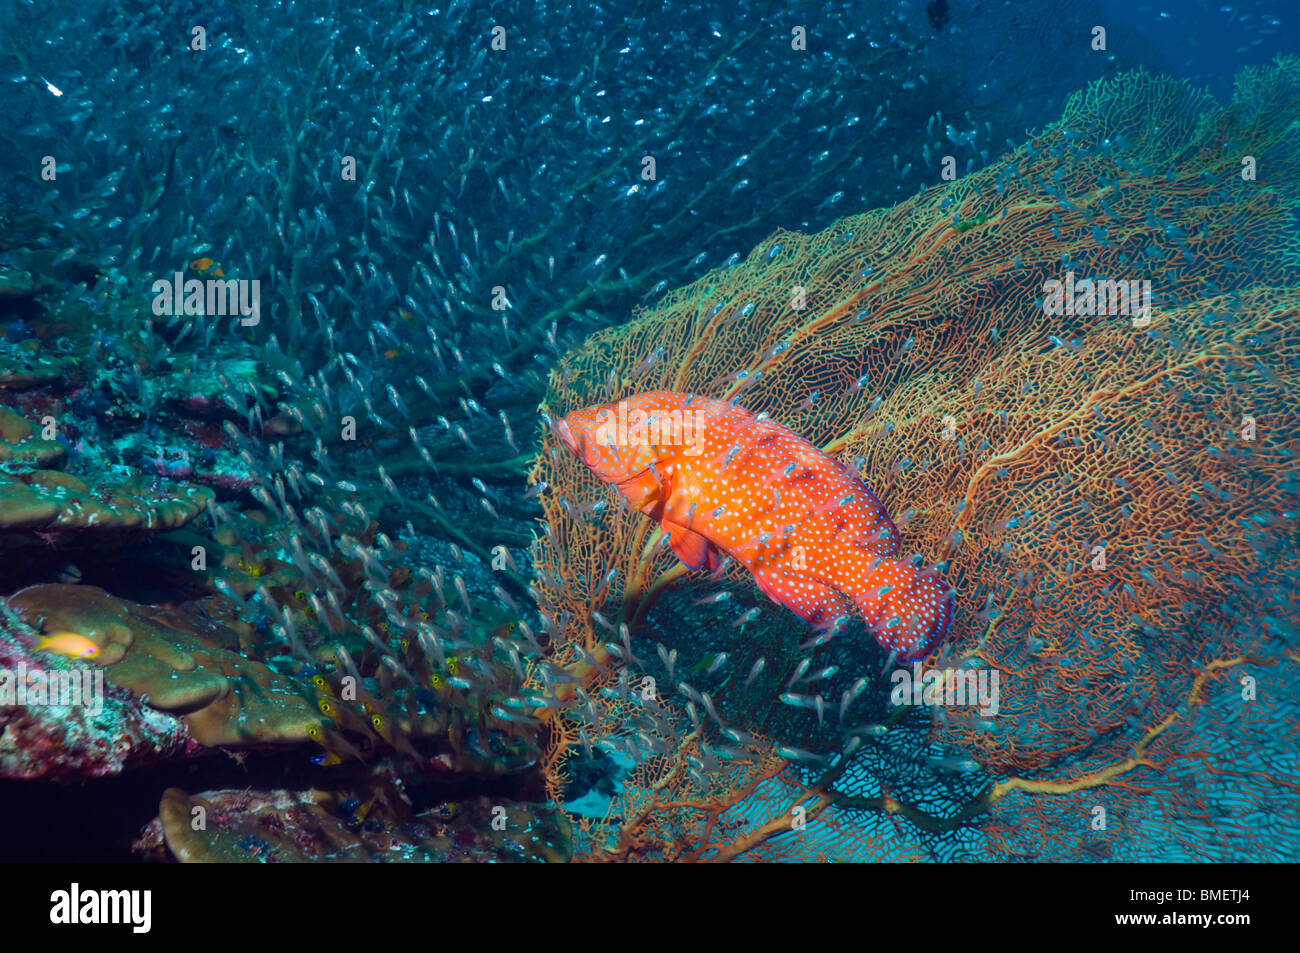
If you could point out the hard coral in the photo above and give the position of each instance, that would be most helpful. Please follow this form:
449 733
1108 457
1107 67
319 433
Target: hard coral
196 668
22 366
72 742
35 496
182 665
294 827
15 282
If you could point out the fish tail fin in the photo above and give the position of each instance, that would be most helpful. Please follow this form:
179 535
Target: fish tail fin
907 608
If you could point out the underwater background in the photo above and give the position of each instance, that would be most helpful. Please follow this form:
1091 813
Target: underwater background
295 562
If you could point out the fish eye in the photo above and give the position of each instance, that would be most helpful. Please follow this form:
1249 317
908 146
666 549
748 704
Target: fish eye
377 721
326 707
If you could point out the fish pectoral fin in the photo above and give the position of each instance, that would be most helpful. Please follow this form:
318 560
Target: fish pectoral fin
815 602
691 548
643 491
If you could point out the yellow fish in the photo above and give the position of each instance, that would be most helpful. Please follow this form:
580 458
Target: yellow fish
392 733
71 644
203 264
338 748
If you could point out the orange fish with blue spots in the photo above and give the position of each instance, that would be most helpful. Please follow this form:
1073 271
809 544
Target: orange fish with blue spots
719 479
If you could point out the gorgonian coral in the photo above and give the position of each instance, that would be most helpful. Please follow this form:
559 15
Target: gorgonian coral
1111 492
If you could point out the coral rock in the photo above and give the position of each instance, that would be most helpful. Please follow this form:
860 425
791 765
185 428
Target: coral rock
187 667
50 742
296 827
21 367
35 495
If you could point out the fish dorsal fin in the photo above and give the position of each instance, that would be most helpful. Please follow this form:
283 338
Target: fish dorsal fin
691 548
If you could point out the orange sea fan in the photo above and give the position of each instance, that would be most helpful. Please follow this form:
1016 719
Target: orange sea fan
1112 496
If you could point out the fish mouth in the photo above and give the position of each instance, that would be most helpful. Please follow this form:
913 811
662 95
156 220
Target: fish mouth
566 436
